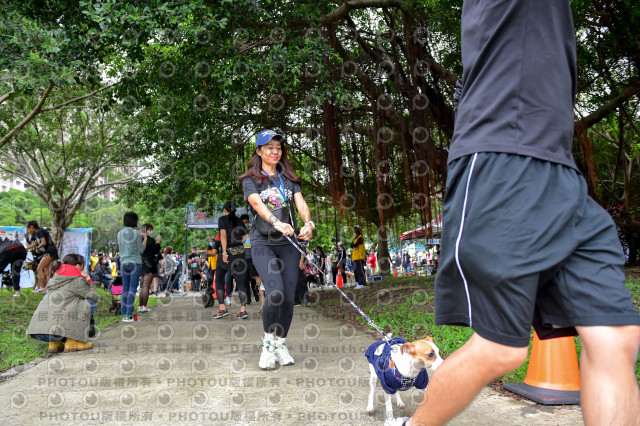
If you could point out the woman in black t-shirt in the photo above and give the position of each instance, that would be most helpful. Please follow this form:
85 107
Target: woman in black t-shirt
231 258
39 240
150 260
272 188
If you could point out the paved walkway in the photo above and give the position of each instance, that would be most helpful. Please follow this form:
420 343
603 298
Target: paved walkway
179 366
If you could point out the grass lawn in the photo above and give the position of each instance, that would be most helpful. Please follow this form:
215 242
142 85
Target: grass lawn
405 307
15 314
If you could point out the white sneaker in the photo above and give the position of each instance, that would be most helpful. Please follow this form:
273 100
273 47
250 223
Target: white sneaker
282 354
358 287
267 357
227 301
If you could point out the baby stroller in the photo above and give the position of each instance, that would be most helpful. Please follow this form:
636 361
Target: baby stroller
116 292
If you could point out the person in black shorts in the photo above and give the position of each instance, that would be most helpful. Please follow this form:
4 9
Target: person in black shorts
522 242
39 240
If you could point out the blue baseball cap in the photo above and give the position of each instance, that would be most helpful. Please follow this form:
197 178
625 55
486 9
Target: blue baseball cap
266 135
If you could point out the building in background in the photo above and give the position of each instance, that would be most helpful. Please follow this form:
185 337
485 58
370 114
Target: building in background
6 184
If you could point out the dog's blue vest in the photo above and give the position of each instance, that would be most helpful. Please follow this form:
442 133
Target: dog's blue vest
390 378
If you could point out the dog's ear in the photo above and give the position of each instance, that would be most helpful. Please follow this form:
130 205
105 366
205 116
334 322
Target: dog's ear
429 339
408 347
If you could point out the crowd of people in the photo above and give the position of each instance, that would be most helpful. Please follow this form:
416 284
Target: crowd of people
223 269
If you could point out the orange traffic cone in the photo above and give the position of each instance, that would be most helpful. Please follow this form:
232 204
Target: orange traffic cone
553 376
340 283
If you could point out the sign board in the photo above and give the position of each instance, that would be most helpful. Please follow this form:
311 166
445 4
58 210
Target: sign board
197 219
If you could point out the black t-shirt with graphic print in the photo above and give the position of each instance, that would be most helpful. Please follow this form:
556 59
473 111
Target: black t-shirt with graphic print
272 198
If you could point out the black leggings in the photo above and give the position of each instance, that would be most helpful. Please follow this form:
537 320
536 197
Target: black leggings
358 269
240 271
14 257
278 268
195 282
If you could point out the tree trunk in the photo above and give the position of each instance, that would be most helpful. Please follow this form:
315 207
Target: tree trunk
334 154
383 251
588 162
59 223
382 190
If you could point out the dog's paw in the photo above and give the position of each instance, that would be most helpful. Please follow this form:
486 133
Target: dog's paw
370 410
401 405
395 422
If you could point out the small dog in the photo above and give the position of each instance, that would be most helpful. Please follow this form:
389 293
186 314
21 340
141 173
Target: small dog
400 365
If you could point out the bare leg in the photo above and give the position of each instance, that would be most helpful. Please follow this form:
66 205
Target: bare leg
609 391
454 385
44 271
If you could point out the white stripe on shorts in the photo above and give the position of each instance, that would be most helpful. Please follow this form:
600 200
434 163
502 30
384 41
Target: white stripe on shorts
464 208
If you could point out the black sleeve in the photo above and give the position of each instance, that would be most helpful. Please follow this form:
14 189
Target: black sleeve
296 188
41 233
223 224
249 187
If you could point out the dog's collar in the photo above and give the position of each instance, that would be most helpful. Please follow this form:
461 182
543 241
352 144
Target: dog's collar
405 382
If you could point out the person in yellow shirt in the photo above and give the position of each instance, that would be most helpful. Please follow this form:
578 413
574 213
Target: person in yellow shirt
114 269
212 260
94 260
357 256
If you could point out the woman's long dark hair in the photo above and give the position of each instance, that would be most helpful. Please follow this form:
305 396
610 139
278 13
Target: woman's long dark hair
254 168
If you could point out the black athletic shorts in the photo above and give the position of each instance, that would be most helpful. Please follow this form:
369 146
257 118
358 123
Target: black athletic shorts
52 251
523 244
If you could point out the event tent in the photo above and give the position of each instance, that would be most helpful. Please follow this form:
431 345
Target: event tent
435 225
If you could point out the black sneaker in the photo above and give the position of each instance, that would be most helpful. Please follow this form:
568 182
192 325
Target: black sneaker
243 315
221 314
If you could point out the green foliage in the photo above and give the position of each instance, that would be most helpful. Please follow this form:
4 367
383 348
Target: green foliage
19 207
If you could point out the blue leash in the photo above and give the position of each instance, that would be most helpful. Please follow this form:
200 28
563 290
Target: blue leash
366 317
